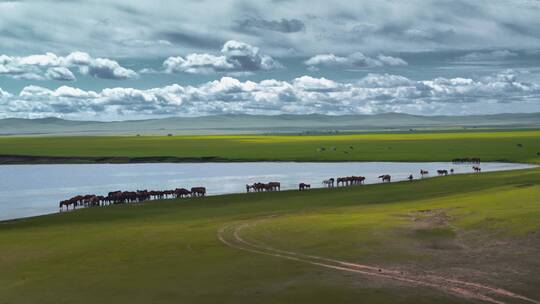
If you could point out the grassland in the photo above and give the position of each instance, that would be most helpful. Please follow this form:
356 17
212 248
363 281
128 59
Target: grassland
483 228
514 146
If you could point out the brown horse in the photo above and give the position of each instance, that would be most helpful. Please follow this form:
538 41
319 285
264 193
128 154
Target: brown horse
275 186
258 187
303 186
385 178
357 180
198 191
64 203
182 192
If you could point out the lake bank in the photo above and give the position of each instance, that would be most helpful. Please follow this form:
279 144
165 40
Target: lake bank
30 190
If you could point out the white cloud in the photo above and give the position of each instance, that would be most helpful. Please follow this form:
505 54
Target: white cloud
53 67
236 57
354 60
4 94
60 74
496 55
373 94
106 69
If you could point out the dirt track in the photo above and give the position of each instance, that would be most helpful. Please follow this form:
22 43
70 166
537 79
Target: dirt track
231 236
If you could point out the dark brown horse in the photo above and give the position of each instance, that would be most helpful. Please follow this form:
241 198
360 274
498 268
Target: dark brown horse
64 203
182 192
303 186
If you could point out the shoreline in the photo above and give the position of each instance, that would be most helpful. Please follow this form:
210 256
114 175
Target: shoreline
8 159
533 166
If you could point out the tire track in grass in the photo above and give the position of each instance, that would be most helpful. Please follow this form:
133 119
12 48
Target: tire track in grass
230 235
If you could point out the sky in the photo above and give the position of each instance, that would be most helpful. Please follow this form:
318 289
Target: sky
121 60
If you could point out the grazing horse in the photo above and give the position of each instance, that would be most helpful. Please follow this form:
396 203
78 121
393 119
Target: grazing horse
423 172
477 169
64 203
303 186
410 178
198 191
385 178
329 182
442 172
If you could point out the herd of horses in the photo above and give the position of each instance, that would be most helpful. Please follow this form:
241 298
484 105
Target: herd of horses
258 187
122 197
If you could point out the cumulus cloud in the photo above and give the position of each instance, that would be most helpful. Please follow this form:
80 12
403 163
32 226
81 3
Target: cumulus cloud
374 93
107 69
283 25
234 57
496 55
60 74
53 67
354 60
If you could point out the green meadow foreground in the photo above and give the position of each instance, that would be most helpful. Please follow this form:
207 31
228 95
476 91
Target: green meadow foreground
439 240
515 146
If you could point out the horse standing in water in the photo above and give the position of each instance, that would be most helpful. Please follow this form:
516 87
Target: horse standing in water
385 178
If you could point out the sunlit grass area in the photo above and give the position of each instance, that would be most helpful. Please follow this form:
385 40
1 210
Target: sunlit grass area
514 146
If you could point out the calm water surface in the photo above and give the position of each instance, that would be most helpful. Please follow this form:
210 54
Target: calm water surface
28 190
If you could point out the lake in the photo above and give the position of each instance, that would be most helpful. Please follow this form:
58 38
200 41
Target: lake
29 190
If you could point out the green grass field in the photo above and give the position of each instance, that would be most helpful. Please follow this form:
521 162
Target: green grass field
482 228
515 146
409 242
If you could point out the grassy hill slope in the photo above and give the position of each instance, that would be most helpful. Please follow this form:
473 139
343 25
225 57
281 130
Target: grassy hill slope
482 228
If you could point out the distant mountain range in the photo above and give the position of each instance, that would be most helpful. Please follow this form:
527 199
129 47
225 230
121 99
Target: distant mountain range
266 124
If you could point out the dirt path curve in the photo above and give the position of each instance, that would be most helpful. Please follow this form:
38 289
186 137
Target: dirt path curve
231 236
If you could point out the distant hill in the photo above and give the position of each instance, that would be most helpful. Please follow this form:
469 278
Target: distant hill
262 124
